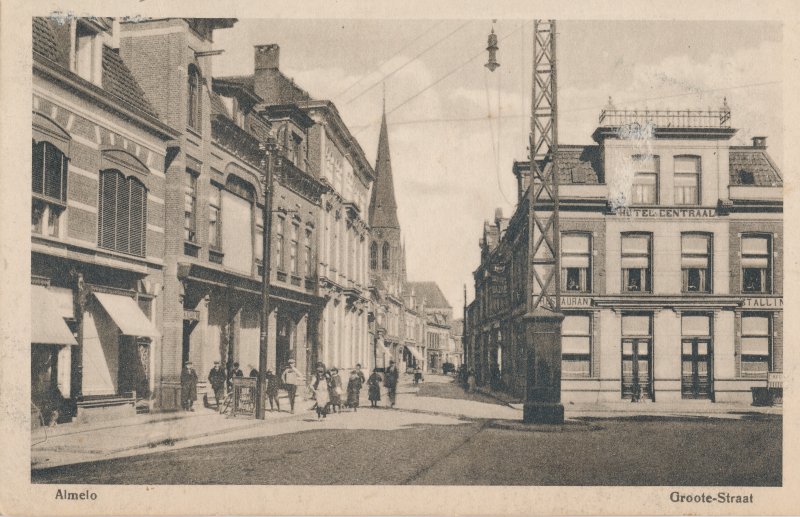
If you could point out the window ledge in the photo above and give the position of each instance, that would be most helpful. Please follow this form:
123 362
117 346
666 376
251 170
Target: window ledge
192 244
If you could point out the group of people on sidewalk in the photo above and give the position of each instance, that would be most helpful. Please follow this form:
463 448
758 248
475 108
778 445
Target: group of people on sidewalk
326 386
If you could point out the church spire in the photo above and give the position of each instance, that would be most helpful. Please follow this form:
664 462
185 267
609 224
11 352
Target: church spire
383 207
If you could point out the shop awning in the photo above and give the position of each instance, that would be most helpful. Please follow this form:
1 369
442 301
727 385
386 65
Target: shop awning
415 353
47 324
127 315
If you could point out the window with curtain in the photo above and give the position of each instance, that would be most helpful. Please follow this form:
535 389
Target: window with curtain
279 228
293 262
636 268
756 263
214 223
696 263
644 190
756 344
190 206
49 187
122 214
687 180
308 265
576 345
576 275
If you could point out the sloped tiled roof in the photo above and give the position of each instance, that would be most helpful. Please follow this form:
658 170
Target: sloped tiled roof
579 164
753 166
117 78
218 108
430 292
119 81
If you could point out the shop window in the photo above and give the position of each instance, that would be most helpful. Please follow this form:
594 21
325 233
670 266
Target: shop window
190 206
214 219
194 99
636 263
576 345
386 255
756 345
279 262
644 190
696 263
122 215
756 264
696 351
49 187
687 180
576 273
373 255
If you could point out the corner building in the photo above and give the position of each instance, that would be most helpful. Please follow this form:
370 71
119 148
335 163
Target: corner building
671 265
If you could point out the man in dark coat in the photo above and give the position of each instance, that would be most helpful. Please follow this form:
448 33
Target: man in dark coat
273 383
188 387
216 377
392 377
234 372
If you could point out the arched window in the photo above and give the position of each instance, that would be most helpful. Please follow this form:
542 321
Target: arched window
386 255
49 187
122 216
373 255
194 104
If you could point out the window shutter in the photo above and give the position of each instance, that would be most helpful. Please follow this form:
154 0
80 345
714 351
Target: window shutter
52 171
123 215
108 209
138 218
37 169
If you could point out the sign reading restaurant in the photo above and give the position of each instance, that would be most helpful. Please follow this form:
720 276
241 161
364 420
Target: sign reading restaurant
576 301
674 213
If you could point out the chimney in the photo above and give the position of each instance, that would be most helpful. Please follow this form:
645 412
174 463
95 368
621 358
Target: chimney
760 142
115 31
498 215
267 56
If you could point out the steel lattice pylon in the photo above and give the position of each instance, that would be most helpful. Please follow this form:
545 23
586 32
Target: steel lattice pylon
543 202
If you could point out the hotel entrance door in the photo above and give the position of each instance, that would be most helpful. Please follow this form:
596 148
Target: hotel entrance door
696 365
636 369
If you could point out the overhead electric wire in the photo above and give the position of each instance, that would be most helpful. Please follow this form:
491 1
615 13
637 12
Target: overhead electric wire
585 108
407 63
335 97
441 79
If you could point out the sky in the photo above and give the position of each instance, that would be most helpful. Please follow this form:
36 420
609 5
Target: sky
455 128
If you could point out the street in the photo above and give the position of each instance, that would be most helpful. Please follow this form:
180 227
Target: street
405 446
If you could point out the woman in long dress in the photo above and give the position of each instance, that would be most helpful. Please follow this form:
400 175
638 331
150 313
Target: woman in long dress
320 387
353 390
374 383
335 387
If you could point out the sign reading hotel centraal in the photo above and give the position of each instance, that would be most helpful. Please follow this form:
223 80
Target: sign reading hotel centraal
673 213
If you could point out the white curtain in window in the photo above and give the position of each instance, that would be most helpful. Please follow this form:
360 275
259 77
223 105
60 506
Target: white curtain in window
237 239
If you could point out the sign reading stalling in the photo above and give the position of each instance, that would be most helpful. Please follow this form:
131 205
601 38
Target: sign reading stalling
749 303
673 213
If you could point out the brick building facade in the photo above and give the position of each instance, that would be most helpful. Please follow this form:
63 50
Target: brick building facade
671 266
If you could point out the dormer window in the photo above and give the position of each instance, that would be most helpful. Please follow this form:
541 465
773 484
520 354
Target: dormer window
86 53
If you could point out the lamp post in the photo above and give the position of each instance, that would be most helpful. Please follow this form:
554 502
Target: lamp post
266 214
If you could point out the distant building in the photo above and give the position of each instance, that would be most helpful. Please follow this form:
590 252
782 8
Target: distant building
671 266
438 323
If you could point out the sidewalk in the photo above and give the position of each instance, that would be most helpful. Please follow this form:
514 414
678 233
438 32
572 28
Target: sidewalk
76 443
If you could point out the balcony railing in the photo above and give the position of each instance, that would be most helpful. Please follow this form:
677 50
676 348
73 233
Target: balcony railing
667 118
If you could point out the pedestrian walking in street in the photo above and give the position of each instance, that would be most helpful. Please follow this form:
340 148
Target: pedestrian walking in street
417 375
360 374
216 377
321 395
470 381
335 390
392 377
354 389
272 390
188 387
374 384
291 377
